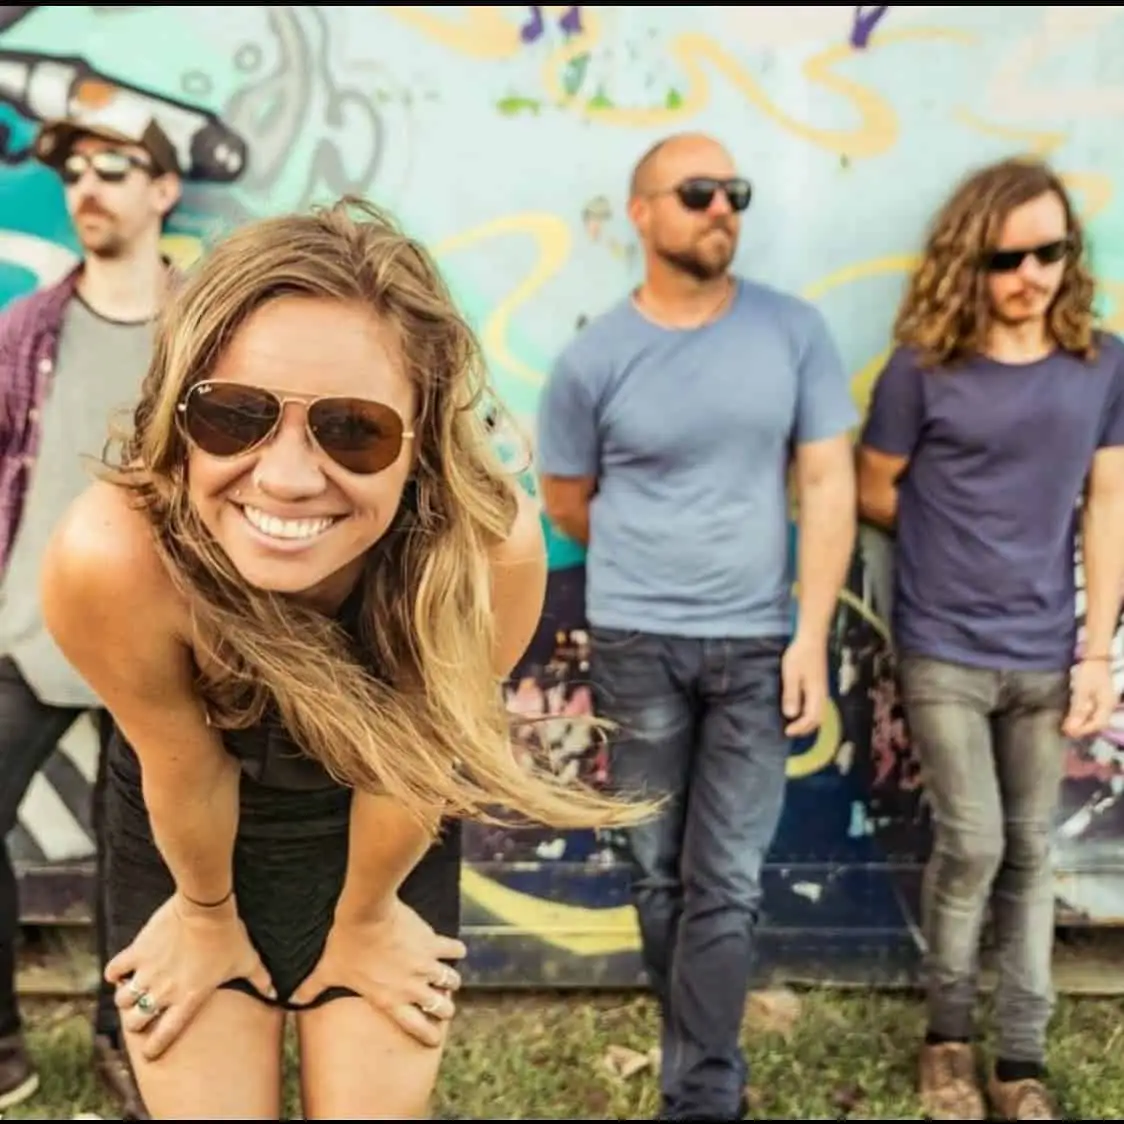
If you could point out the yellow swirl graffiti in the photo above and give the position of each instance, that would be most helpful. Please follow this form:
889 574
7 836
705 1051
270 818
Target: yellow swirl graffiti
1114 321
577 929
552 241
183 250
1094 191
483 33
876 133
862 382
1039 142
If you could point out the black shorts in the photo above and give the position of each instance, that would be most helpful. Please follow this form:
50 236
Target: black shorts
290 859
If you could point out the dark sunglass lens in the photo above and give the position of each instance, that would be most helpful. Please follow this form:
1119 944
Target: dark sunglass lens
225 420
1003 261
1052 252
739 192
697 195
361 436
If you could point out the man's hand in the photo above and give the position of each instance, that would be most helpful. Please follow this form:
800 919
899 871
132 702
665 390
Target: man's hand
803 685
1092 699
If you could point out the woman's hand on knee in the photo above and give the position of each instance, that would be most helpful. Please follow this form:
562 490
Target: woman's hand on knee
175 964
395 963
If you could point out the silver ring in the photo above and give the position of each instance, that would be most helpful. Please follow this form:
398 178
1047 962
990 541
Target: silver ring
448 979
431 1006
133 990
145 1004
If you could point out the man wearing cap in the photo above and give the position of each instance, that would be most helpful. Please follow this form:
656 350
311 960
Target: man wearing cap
71 355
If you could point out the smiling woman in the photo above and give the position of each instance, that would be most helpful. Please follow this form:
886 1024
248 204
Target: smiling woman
298 591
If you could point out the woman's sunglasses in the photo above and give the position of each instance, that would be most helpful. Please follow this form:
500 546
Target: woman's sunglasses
1007 261
109 165
227 419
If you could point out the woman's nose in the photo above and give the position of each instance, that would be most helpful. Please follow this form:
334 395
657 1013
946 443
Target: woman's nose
288 465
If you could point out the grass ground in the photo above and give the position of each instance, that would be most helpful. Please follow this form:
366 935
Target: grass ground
815 1055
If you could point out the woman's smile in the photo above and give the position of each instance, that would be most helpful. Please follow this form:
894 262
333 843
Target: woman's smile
286 534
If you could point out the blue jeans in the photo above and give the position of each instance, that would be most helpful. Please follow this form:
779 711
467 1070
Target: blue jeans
699 722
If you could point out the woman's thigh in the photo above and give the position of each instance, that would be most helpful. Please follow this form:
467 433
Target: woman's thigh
226 1065
356 1064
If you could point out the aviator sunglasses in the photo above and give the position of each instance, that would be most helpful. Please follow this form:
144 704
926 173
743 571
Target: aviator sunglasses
109 165
698 192
1007 261
229 419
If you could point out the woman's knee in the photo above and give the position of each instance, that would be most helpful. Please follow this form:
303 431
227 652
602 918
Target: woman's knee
200 1077
358 1064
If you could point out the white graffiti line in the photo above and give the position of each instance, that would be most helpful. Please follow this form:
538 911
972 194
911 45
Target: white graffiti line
1015 92
47 260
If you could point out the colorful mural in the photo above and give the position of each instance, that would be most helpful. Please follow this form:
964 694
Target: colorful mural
503 136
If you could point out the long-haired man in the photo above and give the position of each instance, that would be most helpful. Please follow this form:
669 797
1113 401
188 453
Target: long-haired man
995 431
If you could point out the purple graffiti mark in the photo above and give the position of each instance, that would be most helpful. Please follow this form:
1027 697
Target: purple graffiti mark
866 19
570 22
534 27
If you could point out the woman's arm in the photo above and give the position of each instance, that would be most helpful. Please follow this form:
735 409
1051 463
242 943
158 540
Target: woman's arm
385 842
112 609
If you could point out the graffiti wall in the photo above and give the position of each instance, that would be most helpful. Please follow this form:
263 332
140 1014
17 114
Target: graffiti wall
504 137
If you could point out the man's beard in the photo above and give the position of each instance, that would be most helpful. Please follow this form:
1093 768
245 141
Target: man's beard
695 265
107 246
1000 314
103 240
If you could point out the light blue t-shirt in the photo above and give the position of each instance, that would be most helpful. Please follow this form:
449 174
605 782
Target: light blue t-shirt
689 435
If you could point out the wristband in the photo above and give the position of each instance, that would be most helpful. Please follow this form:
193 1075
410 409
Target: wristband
208 905
1096 659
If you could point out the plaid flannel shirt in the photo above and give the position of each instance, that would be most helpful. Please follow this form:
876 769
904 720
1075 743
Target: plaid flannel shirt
29 339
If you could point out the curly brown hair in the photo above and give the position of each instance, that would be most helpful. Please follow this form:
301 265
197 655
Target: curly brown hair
946 311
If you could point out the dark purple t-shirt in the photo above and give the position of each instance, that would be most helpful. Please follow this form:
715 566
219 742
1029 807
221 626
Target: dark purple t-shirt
988 506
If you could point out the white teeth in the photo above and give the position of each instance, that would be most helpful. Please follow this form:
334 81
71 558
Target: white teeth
286 528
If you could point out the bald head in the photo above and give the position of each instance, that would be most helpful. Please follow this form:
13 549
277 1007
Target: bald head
675 158
685 202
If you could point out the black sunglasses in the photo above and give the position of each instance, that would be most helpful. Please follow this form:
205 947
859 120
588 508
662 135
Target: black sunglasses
698 192
227 419
1007 261
108 164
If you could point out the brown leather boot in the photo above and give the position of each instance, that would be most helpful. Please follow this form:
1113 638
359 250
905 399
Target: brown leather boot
18 1079
1021 1100
116 1075
949 1085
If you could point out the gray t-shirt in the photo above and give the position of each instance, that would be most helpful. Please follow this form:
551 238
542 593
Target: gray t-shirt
689 434
98 370
987 509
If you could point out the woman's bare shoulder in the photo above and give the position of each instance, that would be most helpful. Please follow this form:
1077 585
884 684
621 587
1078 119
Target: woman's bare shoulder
102 561
114 611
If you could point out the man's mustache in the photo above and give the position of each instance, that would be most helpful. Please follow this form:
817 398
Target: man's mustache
89 207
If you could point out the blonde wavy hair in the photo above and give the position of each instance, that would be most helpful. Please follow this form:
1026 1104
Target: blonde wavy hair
946 311
430 729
